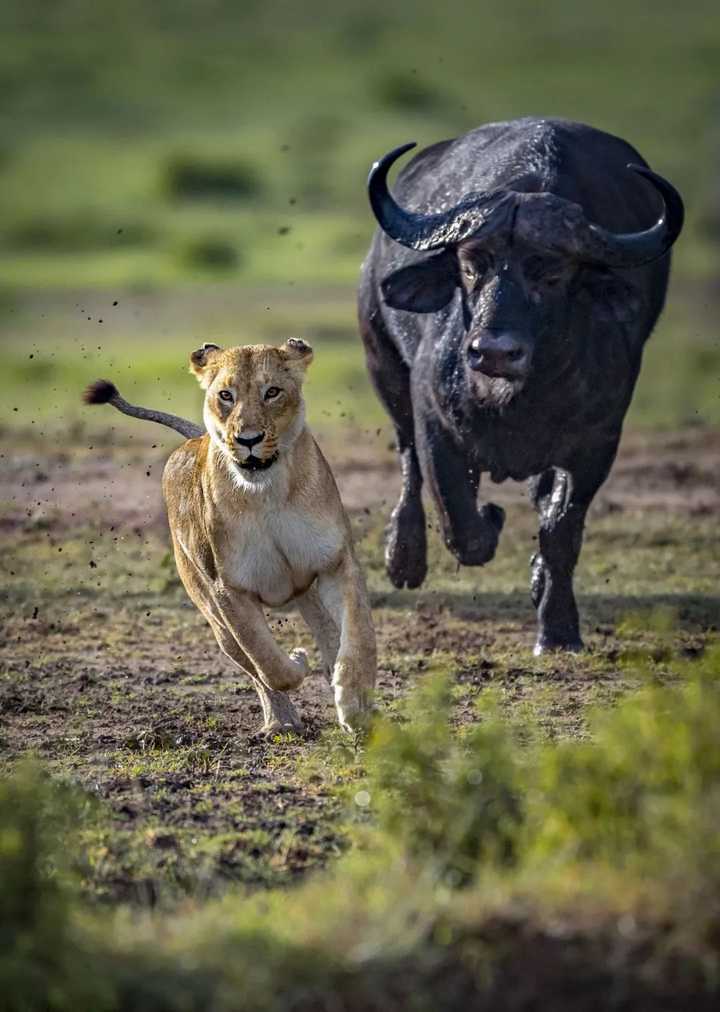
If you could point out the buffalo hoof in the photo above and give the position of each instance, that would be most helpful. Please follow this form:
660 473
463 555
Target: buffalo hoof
406 546
477 547
495 515
553 645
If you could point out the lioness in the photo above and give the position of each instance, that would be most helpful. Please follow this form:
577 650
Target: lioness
256 519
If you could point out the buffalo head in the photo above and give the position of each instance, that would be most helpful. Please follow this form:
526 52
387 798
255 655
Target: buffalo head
514 257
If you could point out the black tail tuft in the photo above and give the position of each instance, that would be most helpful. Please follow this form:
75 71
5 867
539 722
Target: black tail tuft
100 392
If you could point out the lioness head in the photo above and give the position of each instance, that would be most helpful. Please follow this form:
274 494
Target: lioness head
254 409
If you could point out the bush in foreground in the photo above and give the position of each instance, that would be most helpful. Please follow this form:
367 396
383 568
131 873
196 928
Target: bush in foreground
43 964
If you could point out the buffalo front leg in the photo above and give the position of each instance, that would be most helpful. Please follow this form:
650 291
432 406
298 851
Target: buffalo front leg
343 597
562 498
406 539
471 534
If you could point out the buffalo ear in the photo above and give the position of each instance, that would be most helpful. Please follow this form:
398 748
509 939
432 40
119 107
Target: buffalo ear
424 287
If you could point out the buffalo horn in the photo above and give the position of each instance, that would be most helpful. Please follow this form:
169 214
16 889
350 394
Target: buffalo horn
633 249
473 216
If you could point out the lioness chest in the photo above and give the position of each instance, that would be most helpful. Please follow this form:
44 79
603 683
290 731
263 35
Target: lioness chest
276 554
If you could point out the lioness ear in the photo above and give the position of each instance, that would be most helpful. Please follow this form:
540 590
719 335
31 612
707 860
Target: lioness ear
298 353
201 362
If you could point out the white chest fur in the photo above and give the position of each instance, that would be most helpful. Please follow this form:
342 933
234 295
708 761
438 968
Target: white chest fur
277 553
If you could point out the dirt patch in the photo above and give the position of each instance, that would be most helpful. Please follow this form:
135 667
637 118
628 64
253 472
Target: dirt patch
655 471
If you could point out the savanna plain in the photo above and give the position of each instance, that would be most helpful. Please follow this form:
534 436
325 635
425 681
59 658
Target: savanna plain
516 831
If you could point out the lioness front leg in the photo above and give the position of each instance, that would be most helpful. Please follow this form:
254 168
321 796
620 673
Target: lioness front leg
279 714
243 615
342 593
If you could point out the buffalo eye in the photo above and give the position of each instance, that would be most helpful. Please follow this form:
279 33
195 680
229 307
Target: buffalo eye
272 392
225 395
473 270
544 271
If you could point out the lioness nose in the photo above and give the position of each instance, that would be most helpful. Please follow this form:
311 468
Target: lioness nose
250 439
498 353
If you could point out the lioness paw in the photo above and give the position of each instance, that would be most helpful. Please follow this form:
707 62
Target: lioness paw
276 726
354 710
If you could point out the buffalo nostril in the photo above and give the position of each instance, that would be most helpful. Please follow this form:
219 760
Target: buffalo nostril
498 353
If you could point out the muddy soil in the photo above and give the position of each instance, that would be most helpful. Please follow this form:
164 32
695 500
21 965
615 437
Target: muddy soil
676 471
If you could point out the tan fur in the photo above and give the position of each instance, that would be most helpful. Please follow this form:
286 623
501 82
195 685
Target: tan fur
248 539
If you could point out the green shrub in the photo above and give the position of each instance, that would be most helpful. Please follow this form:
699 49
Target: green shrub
42 965
190 177
644 790
76 233
641 794
211 254
408 93
453 801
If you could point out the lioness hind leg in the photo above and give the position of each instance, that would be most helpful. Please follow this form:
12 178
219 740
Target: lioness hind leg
323 627
344 597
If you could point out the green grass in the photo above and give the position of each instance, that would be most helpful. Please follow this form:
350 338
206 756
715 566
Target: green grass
104 103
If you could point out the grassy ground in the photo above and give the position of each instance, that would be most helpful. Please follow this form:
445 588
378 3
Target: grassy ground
498 860
111 677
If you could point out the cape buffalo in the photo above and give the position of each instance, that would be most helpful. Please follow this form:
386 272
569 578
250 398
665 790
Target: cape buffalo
504 305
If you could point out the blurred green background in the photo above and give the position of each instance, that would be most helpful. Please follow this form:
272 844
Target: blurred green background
191 170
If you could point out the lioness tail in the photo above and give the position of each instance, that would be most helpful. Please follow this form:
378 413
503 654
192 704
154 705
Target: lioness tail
105 392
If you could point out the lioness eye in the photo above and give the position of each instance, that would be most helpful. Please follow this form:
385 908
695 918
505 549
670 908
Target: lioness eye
225 395
272 392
